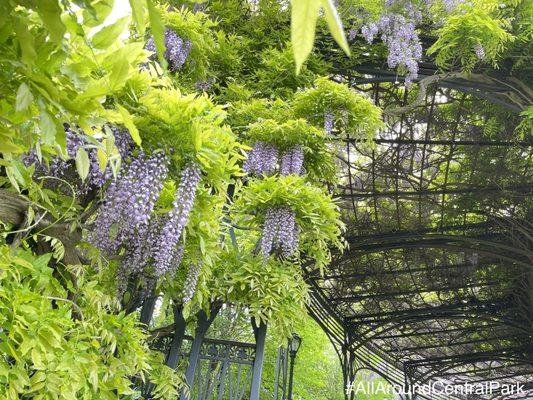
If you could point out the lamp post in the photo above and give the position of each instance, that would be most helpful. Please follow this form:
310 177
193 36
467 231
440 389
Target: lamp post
294 345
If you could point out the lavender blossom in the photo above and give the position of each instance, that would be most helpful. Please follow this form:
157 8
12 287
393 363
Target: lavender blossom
292 161
369 31
328 122
128 203
191 281
480 51
172 230
262 159
204 86
177 50
451 5
64 168
400 36
280 231
352 33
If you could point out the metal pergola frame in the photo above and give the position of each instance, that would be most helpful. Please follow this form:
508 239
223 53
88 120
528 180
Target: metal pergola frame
437 282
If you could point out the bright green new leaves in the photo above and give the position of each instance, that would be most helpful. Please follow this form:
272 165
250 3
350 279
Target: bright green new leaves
475 25
335 25
109 34
48 82
82 163
24 97
303 23
53 346
353 113
272 291
317 214
304 16
158 31
193 127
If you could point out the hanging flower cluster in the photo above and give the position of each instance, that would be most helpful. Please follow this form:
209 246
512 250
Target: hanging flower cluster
191 281
126 220
480 51
64 168
262 159
451 5
128 203
177 50
398 32
280 231
265 157
328 122
171 232
292 161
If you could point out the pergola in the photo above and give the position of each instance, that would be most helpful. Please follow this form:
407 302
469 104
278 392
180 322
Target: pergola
437 282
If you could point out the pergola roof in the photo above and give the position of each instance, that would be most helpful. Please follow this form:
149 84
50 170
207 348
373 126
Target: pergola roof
437 281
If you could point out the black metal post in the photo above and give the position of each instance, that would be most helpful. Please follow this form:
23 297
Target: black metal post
294 345
204 321
291 374
260 336
177 339
147 309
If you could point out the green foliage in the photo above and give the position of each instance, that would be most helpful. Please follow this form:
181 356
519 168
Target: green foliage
353 113
317 371
247 111
276 76
54 346
304 16
53 72
318 159
317 215
199 29
273 292
192 126
474 24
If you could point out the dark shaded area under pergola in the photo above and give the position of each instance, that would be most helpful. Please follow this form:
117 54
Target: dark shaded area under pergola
437 282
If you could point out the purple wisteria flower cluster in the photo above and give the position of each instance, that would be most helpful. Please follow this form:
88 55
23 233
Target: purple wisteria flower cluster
64 169
262 159
451 5
128 204
177 50
126 220
480 51
265 157
191 281
166 252
328 122
204 86
398 32
280 231
292 161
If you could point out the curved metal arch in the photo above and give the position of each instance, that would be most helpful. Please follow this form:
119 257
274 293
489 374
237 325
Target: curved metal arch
403 321
444 369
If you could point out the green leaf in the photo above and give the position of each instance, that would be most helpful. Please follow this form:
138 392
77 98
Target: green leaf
158 31
335 25
119 74
50 13
26 41
109 34
127 120
303 23
137 11
82 163
48 128
24 97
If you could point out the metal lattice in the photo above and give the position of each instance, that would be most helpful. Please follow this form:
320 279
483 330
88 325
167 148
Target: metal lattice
437 282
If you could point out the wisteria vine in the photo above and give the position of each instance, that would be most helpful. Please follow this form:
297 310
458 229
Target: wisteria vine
280 231
176 49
